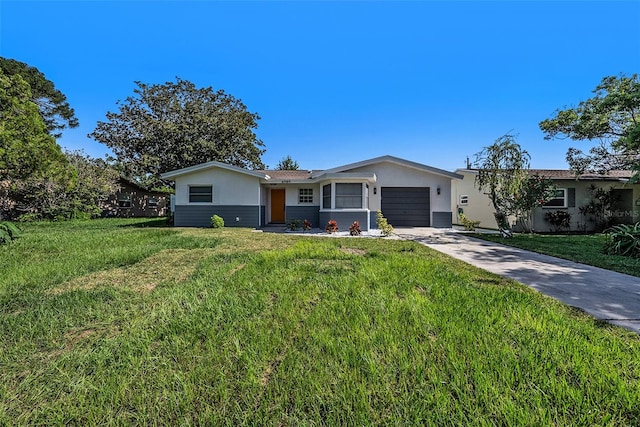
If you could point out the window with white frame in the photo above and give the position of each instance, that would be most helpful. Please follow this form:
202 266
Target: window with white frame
326 196
152 203
464 200
348 196
200 194
305 195
559 200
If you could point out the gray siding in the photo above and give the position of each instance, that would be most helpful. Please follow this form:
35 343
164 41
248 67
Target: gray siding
200 216
310 213
442 219
345 219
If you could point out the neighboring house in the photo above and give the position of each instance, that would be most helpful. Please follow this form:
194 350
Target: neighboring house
407 193
132 200
573 193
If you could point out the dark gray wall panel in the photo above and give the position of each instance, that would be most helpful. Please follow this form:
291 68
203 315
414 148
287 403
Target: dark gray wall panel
344 219
406 206
310 213
442 219
200 216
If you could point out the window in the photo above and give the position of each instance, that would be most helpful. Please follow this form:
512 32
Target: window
348 196
124 200
200 194
464 200
305 195
152 203
326 196
559 200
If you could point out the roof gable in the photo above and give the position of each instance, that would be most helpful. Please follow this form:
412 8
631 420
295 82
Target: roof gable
212 165
394 160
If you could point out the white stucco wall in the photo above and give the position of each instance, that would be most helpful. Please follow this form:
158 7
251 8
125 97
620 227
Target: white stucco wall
479 206
393 175
229 188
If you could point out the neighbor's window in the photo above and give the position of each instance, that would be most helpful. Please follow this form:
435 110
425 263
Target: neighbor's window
124 200
305 195
464 200
559 200
326 196
152 203
348 196
200 194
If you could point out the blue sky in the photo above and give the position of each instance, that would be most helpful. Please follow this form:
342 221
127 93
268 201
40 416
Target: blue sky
339 82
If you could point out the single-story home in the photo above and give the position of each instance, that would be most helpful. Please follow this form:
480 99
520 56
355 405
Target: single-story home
407 193
133 200
573 194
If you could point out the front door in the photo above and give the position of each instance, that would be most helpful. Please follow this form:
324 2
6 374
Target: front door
277 205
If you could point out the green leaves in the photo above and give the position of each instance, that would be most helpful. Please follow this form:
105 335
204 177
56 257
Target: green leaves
170 126
8 232
612 116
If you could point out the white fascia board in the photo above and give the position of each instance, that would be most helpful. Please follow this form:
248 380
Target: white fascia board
210 165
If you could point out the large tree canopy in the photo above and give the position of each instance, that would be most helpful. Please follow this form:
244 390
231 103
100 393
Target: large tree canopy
52 104
26 149
174 125
611 117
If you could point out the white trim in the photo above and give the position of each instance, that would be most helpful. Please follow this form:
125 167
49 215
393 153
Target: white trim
565 200
210 165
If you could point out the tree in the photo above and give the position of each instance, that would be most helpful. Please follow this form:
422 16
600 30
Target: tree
502 174
52 104
535 191
612 117
26 149
175 125
287 164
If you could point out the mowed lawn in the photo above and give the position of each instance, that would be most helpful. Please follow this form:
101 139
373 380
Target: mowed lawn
122 322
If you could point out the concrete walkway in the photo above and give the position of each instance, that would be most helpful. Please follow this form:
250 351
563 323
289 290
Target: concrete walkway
606 295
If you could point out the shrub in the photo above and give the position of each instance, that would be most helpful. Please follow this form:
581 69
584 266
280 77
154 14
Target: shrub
468 224
294 225
306 225
624 240
8 232
385 228
354 229
217 221
558 219
332 226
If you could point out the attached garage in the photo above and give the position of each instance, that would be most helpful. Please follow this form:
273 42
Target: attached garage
406 206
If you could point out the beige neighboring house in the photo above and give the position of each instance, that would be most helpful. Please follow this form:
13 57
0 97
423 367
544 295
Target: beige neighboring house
572 194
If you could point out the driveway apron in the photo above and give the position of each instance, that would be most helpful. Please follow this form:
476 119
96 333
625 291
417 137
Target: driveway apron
604 294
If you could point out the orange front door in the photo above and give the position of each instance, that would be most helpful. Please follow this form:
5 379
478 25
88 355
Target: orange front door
277 205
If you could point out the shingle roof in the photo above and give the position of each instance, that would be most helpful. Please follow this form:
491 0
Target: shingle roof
568 174
288 174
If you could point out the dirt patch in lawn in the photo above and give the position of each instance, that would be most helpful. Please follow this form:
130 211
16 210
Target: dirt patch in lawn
353 251
168 266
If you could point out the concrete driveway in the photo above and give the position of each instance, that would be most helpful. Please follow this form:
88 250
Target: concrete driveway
606 295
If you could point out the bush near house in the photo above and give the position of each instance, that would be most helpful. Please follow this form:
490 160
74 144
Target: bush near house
559 220
354 229
624 240
469 225
217 222
332 226
385 228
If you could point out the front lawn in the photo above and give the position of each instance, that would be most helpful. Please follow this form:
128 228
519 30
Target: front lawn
111 323
586 249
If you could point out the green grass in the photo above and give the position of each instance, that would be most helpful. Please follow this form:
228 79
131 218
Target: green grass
110 323
586 249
